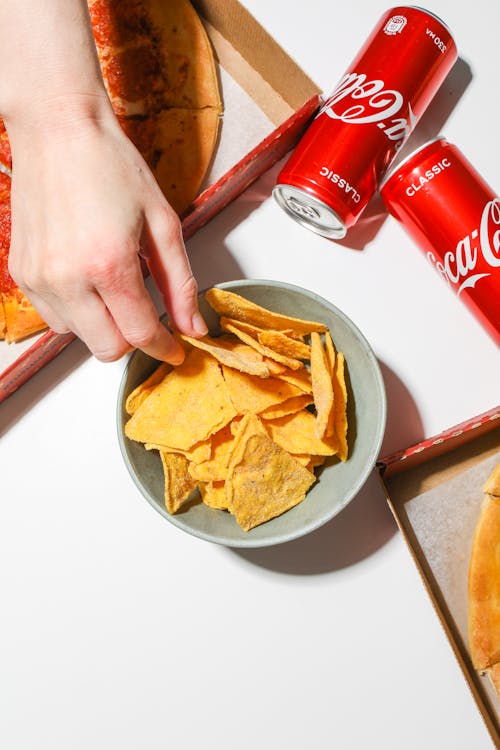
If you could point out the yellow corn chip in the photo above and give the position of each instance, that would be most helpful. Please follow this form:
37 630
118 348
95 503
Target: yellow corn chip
321 384
197 454
264 482
300 378
215 467
251 394
275 368
250 424
228 357
330 360
189 405
213 494
293 364
340 406
290 406
231 305
139 394
178 482
297 434
285 345
281 342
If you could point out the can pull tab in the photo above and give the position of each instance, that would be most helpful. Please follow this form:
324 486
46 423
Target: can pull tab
302 209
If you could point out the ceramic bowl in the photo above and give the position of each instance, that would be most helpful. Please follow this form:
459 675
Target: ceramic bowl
338 482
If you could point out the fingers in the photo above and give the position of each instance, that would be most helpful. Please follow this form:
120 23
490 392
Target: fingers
112 316
130 307
169 265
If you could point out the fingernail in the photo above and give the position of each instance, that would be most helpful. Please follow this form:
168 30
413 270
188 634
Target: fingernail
199 324
176 357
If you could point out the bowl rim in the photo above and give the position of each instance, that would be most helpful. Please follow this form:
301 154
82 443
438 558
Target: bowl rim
314 523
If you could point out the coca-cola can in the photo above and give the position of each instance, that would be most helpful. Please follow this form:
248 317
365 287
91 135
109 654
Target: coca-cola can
454 217
338 164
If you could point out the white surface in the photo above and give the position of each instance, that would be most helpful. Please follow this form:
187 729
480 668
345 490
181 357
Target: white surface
119 631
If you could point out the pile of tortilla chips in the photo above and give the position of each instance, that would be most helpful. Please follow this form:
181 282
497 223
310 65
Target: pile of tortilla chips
248 415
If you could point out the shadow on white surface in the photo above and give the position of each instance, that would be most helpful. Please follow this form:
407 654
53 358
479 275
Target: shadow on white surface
362 528
404 425
29 394
366 524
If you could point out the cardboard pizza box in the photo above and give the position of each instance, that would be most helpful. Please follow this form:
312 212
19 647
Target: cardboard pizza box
268 102
434 490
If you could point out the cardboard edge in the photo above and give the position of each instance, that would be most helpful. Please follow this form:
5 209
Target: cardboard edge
474 437
437 445
459 648
43 351
249 38
258 161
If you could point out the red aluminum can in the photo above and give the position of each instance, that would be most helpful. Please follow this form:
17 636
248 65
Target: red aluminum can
454 217
339 162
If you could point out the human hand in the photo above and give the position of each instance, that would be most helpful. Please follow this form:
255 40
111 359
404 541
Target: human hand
85 207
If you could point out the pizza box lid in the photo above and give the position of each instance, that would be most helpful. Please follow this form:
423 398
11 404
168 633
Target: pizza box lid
434 490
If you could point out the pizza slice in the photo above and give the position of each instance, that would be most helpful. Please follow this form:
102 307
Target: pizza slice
178 145
18 317
153 55
5 154
484 584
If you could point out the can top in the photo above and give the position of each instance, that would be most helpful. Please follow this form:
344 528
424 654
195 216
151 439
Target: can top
309 211
430 13
411 156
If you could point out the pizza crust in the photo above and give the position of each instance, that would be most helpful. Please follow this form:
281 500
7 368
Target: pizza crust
2 318
21 318
484 584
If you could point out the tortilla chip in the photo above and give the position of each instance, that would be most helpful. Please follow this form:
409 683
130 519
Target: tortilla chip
189 405
225 356
321 384
251 394
215 467
199 453
340 406
290 406
231 305
330 355
283 344
299 378
275 368
178 482
140 394
264 481
213 494
293 364
297 434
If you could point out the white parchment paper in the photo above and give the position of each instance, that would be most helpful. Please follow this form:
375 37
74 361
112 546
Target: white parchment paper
444 520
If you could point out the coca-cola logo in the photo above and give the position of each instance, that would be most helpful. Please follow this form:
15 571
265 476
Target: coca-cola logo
359 101
459 267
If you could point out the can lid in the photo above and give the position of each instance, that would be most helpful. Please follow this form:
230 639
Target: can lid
309 211
397 167
433 15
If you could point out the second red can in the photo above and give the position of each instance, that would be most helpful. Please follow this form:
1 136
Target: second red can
337 165
454 217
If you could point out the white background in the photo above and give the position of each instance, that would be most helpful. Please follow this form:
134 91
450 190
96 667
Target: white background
119 631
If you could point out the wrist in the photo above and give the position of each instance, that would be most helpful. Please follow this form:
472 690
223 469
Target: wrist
58 115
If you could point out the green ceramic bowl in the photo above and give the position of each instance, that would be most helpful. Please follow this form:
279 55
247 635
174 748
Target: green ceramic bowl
338 482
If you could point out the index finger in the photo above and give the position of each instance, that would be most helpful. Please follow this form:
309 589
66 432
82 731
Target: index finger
136 317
